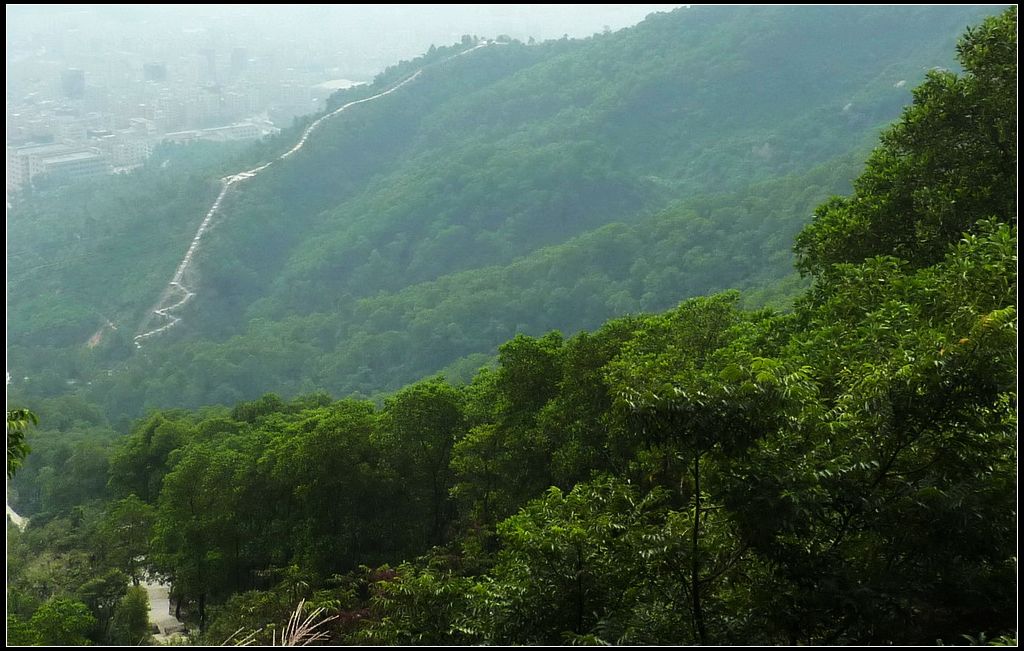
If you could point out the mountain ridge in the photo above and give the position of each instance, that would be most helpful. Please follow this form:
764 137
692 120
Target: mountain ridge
436 180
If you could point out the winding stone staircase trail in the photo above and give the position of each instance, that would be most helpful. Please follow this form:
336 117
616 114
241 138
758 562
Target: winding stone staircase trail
177 292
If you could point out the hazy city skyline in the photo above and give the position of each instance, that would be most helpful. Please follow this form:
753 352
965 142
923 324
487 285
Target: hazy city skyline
93 88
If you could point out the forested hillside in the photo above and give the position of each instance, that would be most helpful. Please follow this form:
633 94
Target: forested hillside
515 189
839 472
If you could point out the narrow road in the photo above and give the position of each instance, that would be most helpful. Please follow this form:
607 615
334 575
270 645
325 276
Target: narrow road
177 293
160 611
18 521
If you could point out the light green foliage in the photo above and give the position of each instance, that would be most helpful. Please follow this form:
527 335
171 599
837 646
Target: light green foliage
422 606
131 619
62 622
566 567
20 633
18 421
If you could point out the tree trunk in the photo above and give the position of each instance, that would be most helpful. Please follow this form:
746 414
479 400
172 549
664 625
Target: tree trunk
579 589
202 612
698 612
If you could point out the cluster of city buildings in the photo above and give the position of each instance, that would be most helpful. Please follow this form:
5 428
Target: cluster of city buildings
75 134
94 89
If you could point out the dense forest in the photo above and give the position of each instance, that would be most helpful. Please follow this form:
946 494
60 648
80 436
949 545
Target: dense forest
517 189
828 459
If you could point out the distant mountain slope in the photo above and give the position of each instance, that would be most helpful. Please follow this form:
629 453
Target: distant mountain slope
498 153
707 244
476 185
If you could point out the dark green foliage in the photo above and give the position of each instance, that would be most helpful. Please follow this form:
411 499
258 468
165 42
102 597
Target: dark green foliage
68 465
844 474
840 473
262 612
421 424
126 530
949 162
102 594
139 466
516 189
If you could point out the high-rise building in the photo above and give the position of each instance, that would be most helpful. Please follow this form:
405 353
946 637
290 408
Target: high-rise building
59 162
211 64
239 60
72 83
156 71
76 165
